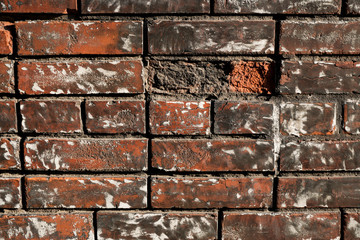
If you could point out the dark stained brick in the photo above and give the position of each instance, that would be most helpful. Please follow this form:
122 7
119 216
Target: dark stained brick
9 153
7 81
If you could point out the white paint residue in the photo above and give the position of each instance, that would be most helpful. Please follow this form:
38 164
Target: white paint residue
107 73
354 226
231 152
127 42
36 88
255 46
109 200
7 154
124 205
43 228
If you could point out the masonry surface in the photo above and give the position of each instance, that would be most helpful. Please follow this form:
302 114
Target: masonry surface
188 119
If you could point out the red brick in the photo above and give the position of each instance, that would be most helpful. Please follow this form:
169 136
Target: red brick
212 155
38 6
352 225
320 156
173 192
9 153
91 154
322 77
10 194
285 225
7 77
278 7
46 226
235 117
319 37
82 77
301 119
157 225
325 192
8 121
353 7
50 116
145 6
351 116
79 37
115 116
6 40
211 37
180 117
86 192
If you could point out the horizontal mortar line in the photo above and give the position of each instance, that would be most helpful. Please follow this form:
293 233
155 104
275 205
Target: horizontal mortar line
76 96
309 174
77 56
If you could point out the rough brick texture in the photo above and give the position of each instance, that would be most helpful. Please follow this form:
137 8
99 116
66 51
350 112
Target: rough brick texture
6 40
352 225
351 117
7 81
9 153
38 6
353 7
8 122
10 194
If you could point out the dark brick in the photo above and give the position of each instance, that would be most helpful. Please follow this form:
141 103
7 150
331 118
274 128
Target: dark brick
10 194
38 6
211 37
289 226
6 40
80 77
301 119
7 77
9 153
212 155
155 225
145 6
173 192
115 116
234 117
352 226
353 7
86 192
8 121
351 117
50 116
79 37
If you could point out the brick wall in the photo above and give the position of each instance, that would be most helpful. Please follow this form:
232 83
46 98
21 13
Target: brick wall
188 119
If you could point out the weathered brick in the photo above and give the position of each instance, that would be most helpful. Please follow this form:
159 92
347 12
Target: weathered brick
286 225
212 155
50 116
8 121
172 192
180 117
322 77
91 154
115 116
320 156
303 192
79 37
6 40
38 6
9 153
211 37
10 194
351 116
7 77
156 225
319 37
300 119
234 117
352 226
145 6
46 226
353 7
82 77
86 192
278 6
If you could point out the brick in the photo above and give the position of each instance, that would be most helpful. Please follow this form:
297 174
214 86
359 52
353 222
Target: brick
320 156
157 225
10 194
352 225
173 192
319 37
46 226
86 192
212 155
8 121
7 81
38 6
285 225
301 119
9 153
90 77
180 117
79 37
353 7
351 116
278 7
6 40
91 154
115 116
144 6
324 192
50 116
211 37
234 117
321 77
